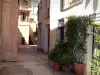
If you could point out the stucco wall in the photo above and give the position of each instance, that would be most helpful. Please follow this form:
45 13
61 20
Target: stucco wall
23 32
44 22
9 29
85 8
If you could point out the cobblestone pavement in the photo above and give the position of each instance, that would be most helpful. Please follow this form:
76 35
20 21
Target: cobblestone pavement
30 62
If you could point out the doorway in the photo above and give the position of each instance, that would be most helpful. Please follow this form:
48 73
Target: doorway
30 41
47 38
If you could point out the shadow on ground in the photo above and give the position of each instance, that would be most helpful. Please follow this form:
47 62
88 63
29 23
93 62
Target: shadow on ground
15 70
30 62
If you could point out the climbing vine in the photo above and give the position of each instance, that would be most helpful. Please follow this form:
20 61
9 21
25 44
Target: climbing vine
76 36
96 58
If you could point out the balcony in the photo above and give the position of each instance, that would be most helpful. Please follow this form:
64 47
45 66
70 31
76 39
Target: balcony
25 8
23 23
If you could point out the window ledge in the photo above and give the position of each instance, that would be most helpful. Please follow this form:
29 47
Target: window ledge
71 6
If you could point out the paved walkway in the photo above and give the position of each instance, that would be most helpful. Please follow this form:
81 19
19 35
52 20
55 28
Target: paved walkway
29 63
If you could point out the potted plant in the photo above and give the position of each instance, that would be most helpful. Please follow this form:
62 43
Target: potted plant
56 54
76 36
54 60
79 68
68 60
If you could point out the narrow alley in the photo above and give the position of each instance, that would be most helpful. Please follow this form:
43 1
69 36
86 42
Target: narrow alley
30 62
49 37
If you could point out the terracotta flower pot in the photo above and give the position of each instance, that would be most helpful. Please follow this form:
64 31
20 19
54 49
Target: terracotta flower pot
79 68
56 65
66 69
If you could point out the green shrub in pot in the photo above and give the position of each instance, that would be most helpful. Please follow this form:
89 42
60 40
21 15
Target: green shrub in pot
66 62
59 49
68 59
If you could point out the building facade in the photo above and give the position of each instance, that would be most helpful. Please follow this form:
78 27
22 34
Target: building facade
59 10
43 25
8 29
16 21
27 22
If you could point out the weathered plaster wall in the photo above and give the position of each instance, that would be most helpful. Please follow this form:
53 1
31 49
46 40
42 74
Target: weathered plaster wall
9 29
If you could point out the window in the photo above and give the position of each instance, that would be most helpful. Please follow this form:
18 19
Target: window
24 16
35 10
67 4
61 30
18 1
47 9
60 33
48 13
24 2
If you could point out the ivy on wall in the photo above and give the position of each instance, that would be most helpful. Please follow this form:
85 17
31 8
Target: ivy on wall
76 36
96 59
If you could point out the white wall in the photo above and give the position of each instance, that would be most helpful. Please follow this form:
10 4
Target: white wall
23 26
85 8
